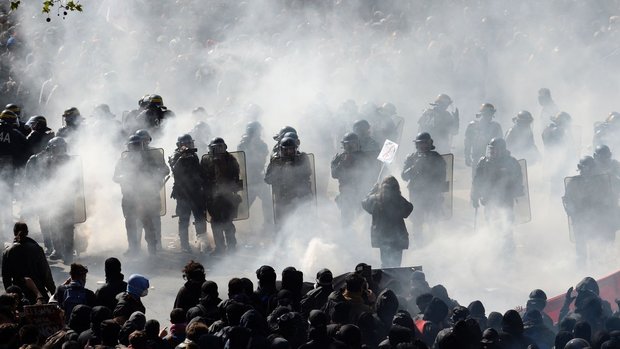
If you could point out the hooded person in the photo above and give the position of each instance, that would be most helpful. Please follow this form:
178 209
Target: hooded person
538 301
136 322
386 307
350 335
207 306
512 330
535 329
189 294
419 285
478 313
152 330
92 336
129 301
292 281
396 335
114 284
433 320
317 297
258 329
266 290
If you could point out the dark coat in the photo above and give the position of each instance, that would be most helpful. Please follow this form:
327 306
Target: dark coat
388 220
106 294
27 259
188 295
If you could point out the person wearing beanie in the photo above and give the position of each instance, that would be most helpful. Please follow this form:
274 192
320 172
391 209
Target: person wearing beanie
316 298
129 301
512 330
114 284
266 291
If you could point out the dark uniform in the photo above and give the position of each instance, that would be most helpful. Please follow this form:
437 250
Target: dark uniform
520 138
425 170
367 144
72 120
479 133
257 153
222 185
290 175
353 170
141 177
188 189
388 232
60 214
497 182
39 135
592 206
13 156
439 122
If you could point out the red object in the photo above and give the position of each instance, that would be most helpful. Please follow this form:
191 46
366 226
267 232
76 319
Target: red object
609 290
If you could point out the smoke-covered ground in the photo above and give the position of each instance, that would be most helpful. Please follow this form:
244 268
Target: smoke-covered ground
300 61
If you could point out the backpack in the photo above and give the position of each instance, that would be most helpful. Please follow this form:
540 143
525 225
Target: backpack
75 294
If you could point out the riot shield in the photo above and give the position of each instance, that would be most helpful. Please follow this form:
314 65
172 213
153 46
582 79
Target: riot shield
575 186
80 199
156 156
243 210
279 211
522 211
448 189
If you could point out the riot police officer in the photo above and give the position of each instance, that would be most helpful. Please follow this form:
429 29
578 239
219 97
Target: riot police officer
146 138
141 177
154 113
21 125
222 186
352 169
61 214
604 162
497 182
362 129
520 138
290 175
188 190
592 206
439 122
607 132
560 149
13 156
278 137
479 133
257 153
39 135
71 120
425 170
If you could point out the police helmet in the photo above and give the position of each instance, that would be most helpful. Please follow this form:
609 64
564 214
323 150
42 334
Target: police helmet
602 152
71 113
282 131
350 142
443 100
14 108
423 137
586 163
288 142
613 117
577 343
361 126
185 139
486 109
134 139
143 101
498 143
57 145
350 137
144 135
156 101
217 145
523 116
8 117
538 294
253 127
37 122
388 109
562 118
292 135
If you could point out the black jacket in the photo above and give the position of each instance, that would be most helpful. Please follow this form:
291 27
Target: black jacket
106 294
25 258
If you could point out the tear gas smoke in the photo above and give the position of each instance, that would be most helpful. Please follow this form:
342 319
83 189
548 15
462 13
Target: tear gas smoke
299 61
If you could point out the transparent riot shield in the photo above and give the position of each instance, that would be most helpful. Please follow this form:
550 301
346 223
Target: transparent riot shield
243 210
80 198
577 189
522 210
156 156
282 206
448 189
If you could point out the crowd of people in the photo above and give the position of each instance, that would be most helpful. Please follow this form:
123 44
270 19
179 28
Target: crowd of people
365 308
